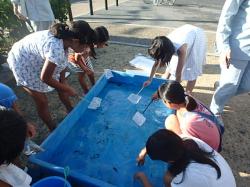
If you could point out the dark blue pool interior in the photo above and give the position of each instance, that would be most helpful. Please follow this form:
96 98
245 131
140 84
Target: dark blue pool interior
103 144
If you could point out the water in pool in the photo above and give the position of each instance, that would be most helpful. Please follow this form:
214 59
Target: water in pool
105 142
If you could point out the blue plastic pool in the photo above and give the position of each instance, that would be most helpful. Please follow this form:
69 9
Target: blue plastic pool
100 146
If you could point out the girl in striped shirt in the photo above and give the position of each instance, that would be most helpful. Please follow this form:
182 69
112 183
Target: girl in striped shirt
81 64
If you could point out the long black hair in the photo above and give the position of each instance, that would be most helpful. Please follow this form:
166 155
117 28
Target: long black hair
101 35
75 30
13 130
173 92
167 146
161 49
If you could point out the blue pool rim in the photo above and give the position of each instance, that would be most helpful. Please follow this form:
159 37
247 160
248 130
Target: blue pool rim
51 178
46 168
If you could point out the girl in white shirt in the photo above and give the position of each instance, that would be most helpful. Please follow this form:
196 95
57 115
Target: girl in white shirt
193 163
188 44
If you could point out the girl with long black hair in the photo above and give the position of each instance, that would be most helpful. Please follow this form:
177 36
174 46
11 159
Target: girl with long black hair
192 162
188 44
39 62
192 118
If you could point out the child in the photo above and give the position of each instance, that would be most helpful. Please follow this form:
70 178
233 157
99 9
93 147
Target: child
13 130
192 163
192 118
39 62
189 44
81 62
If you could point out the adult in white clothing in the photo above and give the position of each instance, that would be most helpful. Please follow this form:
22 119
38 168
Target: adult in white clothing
192 162
233 42
38 12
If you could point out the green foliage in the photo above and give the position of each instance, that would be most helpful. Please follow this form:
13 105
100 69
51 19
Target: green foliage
8 19
11 29
60 9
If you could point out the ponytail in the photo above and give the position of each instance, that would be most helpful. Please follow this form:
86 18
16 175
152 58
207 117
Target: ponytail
191 104
193 153
174 92
167 146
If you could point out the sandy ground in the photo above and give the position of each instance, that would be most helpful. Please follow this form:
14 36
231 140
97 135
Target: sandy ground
236 140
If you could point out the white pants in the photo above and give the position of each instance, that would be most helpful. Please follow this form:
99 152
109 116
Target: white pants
39 25
233 81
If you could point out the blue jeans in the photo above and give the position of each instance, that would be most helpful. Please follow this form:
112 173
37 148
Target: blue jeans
233 81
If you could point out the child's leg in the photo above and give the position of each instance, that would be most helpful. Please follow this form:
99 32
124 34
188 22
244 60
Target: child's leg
92 78
172 123
81 76
190 86
65 100
42 107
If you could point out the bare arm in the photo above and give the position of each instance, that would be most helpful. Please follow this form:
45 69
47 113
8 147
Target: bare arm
80 58
143 178
62 77
181 61
168 179
172 123
85 68
3 184
154 69
141 157
152 73
47 77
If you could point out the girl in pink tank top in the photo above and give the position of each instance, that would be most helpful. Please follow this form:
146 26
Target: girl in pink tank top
189 119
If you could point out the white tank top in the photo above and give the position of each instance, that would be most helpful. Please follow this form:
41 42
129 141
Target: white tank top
14 176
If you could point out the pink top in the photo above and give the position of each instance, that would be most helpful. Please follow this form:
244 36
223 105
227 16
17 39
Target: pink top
193 124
